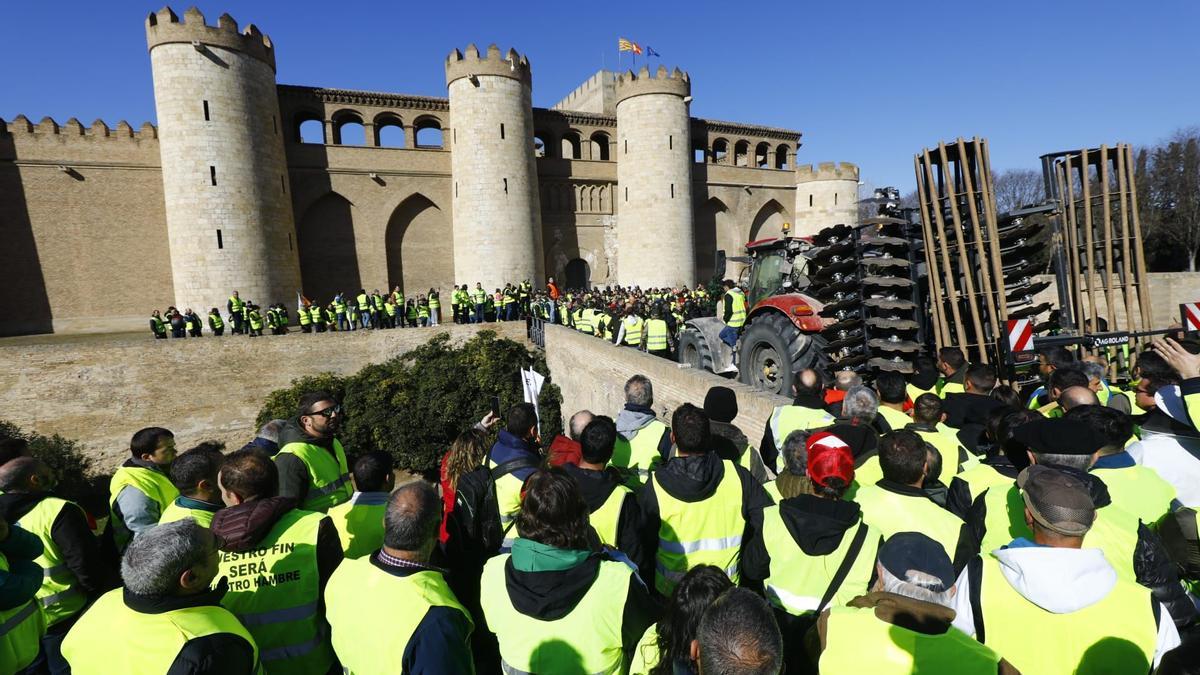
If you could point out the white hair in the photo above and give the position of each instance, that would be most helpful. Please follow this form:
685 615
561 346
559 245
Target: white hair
158 556
916 585
861 404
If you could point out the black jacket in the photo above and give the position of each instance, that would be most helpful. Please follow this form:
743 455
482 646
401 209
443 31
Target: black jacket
294 480
441 642
596 487
693 479
216 654
862 439
551 595
969 414
79 548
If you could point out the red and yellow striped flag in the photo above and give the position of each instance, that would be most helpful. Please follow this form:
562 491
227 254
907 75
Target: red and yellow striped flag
624 45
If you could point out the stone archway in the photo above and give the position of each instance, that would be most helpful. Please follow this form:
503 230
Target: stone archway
712 225
769 221
578 274
328 253
420 250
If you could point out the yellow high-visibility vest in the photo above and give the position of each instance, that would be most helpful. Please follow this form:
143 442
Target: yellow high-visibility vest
708 532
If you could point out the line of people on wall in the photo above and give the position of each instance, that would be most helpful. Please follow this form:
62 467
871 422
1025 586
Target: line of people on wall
936 523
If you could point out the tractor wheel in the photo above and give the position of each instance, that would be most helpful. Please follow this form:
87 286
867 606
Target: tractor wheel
694 350
772 349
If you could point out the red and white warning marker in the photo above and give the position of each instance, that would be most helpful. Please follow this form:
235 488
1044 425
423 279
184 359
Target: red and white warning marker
1191 315
1020 335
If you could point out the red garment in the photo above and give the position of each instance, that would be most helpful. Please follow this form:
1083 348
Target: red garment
447 498
552 289
833 396
565 451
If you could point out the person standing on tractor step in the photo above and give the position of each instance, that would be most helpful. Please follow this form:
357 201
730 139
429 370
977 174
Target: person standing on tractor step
697 509
392 612
277 560
141 489
168 617
312 463
733 313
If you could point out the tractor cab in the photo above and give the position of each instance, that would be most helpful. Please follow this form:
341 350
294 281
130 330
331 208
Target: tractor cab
776 266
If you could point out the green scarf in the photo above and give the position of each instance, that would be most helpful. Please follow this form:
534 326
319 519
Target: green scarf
530 556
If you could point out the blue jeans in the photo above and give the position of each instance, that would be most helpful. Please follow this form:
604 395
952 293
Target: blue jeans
478 313
729 336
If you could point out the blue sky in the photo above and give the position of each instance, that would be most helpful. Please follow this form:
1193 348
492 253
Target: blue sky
865 82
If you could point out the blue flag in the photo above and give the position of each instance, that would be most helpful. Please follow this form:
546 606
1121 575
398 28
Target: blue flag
650 52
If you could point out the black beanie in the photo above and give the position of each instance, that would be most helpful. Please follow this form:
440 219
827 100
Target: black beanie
720 404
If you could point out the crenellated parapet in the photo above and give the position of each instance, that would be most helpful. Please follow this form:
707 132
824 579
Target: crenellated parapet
165 27
22 126
472 64
662 81
827 171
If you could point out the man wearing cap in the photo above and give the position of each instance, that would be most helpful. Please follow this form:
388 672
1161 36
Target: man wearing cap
728 441
816 551
1051 606
807 411
904 624
897 503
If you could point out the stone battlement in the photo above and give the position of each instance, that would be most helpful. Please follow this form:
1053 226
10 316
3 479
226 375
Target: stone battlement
827 171
662 81
164 27
98 129
471 64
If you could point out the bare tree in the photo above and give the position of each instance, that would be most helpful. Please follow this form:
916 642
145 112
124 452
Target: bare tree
1015 188
1170 194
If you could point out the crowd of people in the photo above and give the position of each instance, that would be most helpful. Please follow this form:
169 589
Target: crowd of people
939 522
650 319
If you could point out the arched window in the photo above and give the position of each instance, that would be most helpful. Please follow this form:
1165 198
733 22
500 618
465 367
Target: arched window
348 129
781 157
762 154
741 153
571 146
389 131
543 144
599 143
310 128
428 132
720 151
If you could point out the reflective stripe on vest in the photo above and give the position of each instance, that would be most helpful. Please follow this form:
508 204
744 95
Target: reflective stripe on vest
59 596
327 474
606 519
796 581
274 591
236 303
111 638
707 532
858 642
21 630
737 317
369 635
656 335
633 331
640 453
1125 617
592 629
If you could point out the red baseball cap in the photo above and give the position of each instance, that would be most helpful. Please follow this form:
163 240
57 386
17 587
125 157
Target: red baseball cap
829 457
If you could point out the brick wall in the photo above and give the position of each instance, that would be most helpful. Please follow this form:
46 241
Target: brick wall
101 389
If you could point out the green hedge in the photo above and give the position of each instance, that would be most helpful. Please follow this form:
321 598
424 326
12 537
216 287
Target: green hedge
62 454
412 406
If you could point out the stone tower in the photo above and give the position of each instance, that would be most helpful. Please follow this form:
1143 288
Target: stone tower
825 196
497 214
655 236
229 214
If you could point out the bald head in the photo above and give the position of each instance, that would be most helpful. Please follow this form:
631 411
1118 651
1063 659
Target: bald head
808 381
24 474
1073 397
579 422
411 521
846 379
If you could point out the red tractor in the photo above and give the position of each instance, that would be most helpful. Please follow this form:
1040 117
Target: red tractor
782 334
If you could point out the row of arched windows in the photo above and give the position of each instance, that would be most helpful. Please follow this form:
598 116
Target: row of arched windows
385 130
763 157
571 145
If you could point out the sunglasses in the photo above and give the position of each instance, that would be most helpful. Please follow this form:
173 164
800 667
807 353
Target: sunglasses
328 412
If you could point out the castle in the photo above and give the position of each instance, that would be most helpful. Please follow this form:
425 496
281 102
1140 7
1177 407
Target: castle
269 189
